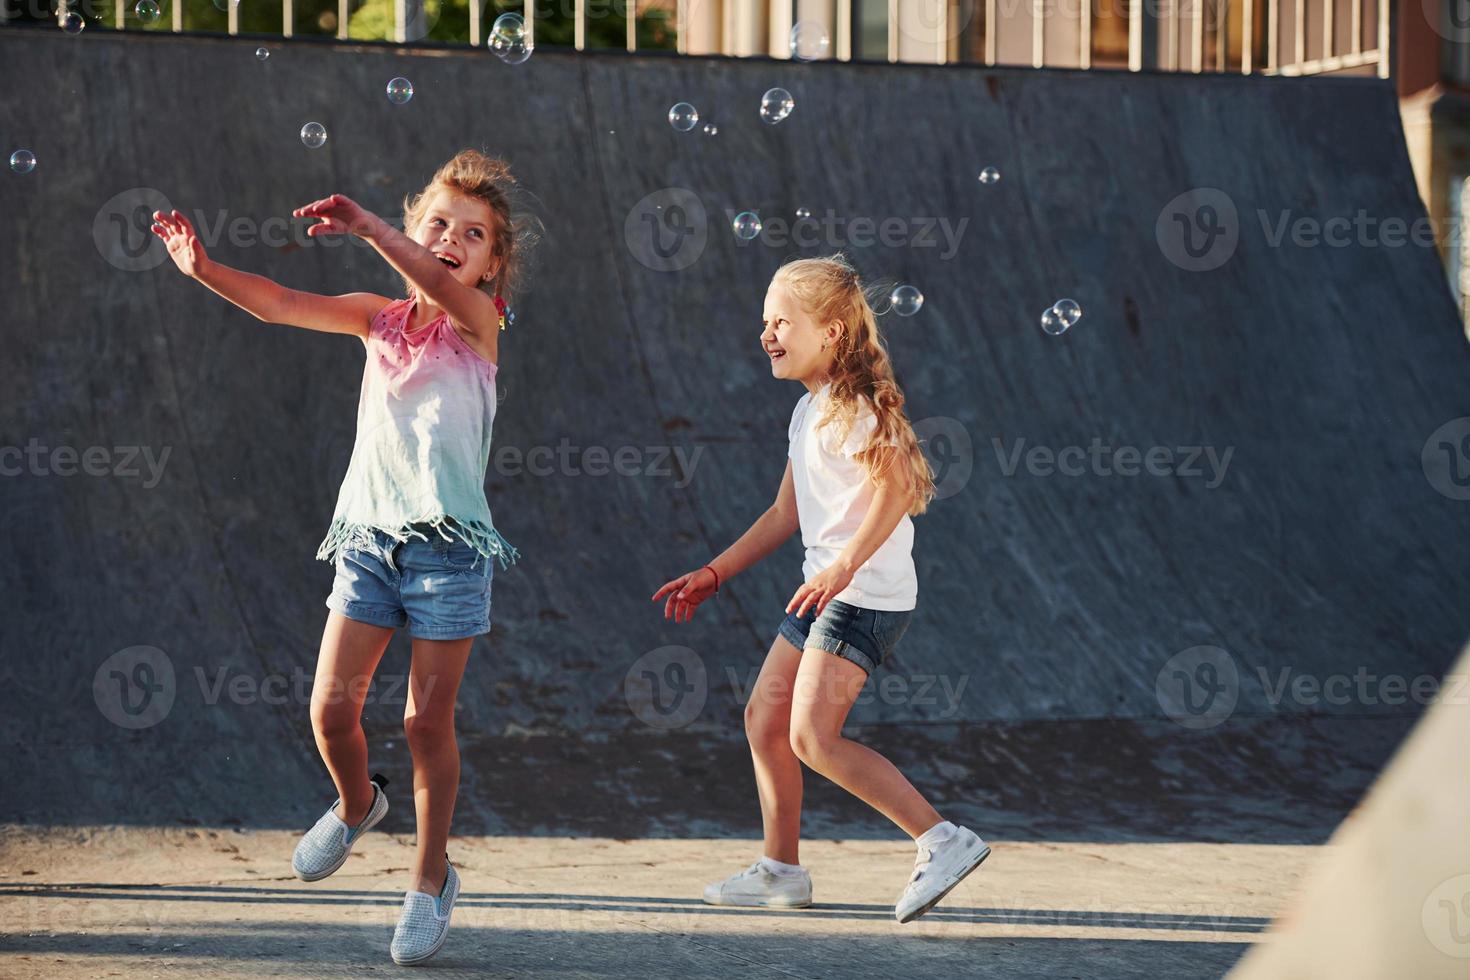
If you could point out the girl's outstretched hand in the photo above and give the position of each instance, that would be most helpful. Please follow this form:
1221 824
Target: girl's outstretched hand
183 244
822 589
685 593
336 215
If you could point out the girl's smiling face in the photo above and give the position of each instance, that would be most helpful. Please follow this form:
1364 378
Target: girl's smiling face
793 340
457 229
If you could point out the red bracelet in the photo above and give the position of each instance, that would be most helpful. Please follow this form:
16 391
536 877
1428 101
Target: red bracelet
715 574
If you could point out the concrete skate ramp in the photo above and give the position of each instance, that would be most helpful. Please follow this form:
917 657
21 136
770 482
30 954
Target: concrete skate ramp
1051 604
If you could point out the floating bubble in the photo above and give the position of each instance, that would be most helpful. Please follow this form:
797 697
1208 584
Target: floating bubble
776 105
747 225
989 175
146 11
511 27
400 90
313 134
710 129
905 300
261 54
71 21
1062 315
683 116
22 161
511 50
808 41
224 5
803 213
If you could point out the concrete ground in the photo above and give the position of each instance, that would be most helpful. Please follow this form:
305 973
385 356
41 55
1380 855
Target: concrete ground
208 903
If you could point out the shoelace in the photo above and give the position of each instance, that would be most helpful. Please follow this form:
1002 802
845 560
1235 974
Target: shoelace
754 869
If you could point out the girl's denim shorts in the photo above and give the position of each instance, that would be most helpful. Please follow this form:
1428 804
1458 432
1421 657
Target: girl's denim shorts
439 589
864 636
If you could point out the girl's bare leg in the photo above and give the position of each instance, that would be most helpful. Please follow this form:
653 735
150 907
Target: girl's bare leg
428 725
349 656
777 769
826 686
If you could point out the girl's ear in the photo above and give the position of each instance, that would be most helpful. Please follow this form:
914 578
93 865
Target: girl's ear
834 332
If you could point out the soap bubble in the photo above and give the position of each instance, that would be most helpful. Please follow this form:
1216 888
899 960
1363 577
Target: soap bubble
511 27
808 41
683 116
22 161
710 129
400 90
803 213
146 11
313 134
905 300
989 175
71 21
776 105
261 54
746 225
224 5
1062 315
511 51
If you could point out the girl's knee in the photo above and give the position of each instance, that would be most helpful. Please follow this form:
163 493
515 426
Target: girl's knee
427 732
766 725
809 743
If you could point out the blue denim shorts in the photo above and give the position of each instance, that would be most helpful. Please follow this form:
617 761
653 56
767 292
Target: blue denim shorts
439 589
864 636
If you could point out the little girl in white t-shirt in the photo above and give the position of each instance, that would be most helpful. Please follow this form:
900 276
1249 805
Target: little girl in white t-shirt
855 475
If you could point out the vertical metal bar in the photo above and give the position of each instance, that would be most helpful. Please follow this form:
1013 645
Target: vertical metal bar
893 30
1222 34
579 24
1038 34
1247 34
1197 38
400 14
1327 13
477 26
343 13
528 17
288 16
118 15
632 21
178 15
232 18
1357 8
1085 32
681 29
991 39
1135 35
844 30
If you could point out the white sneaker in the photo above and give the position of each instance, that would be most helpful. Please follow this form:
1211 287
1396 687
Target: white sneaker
423 925
936 872
755 886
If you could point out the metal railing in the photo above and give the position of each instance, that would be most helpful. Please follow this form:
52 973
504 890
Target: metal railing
1274 37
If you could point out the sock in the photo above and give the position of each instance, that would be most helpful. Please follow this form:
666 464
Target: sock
779 867
937 834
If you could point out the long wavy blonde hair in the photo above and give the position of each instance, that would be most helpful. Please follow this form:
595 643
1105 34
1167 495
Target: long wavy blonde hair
516 231
830 291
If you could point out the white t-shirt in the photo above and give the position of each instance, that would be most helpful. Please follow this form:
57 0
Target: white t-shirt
833 494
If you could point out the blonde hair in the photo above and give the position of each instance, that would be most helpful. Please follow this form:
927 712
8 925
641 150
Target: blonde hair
516 229
830 291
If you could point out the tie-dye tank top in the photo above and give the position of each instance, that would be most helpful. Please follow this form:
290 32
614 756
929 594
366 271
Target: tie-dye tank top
423 439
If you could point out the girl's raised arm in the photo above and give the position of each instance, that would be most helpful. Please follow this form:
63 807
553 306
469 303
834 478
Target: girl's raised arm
263 298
